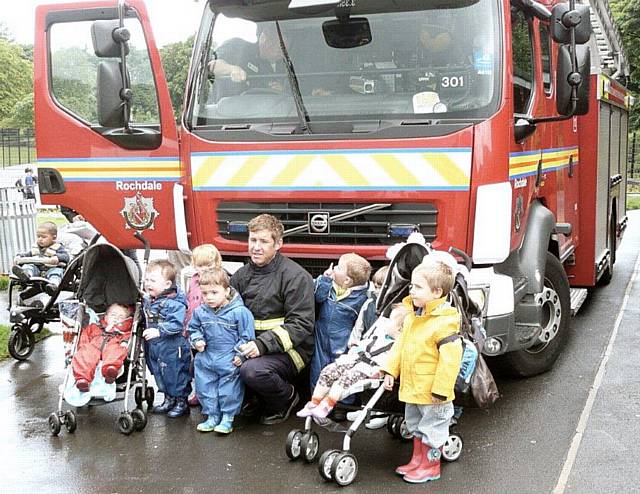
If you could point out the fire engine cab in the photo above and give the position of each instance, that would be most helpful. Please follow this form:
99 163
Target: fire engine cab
497 127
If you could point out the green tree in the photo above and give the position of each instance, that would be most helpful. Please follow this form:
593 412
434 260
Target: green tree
21 116
16 77
175 61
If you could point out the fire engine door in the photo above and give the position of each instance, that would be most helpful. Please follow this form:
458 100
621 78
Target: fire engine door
107 141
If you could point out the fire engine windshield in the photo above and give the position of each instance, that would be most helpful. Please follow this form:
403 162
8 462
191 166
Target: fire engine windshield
365 61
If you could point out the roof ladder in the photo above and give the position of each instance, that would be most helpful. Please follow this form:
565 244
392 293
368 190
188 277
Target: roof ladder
608 39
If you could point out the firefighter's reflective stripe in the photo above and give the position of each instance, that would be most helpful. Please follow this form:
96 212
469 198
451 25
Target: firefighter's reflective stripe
275 325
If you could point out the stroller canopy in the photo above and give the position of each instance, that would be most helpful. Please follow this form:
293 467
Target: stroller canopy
108 277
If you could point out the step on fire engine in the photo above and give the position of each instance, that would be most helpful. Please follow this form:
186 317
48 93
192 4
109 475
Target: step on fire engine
498 127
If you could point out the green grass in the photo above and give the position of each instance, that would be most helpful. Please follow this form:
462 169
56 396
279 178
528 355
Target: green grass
4 283
633 202
4 338
48 215
13 157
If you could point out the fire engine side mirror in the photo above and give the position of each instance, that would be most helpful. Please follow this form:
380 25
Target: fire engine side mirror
564 19
107 37
566 80
523 129
109 89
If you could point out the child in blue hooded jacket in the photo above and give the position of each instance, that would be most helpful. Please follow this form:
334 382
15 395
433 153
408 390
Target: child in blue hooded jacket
340 293
216 330
166 348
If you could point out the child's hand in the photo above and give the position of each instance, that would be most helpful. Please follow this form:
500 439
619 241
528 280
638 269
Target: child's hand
237 361
200 345
329 272
150 333
388 382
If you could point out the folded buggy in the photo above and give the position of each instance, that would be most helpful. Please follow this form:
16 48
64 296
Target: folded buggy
341 466
107 277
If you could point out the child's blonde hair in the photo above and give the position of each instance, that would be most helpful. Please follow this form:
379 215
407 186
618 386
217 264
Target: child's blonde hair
50 227
206 255
214 276
380 275
166 268
358 268
437 274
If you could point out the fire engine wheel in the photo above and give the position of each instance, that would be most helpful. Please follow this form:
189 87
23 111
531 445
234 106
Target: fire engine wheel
556 311
21 343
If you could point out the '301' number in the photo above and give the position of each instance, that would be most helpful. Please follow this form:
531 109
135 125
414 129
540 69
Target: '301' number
453 81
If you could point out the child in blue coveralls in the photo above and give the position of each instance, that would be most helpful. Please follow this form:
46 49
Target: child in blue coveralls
167 349
216 329
340 293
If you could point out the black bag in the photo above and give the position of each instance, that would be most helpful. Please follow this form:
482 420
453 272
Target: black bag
483 386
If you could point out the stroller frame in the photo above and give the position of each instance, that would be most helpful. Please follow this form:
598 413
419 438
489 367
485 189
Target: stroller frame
341 466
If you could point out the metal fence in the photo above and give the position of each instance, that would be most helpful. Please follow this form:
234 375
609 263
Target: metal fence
17 226
633 161
18 146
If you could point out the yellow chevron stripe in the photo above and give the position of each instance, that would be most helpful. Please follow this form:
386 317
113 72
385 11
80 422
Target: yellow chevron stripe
343 167
206 169
293 170
247 171
396 169
447 169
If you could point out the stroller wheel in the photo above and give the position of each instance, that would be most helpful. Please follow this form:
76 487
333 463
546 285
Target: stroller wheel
310 445
390 424
395 425
125 423
70 421
403 432
139 419
137 396
452 448
326 460
344 468
293 448
21 343
149 396
54 424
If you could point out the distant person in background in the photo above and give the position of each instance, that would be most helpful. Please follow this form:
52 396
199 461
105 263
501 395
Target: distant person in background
28 188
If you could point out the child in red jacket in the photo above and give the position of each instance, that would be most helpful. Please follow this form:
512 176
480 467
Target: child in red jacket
107 341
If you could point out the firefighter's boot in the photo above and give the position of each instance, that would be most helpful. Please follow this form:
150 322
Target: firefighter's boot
416 458
429 468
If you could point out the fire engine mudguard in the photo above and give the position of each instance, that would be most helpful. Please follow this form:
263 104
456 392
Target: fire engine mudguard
542 300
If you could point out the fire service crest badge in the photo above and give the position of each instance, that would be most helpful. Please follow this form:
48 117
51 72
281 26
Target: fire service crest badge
139 212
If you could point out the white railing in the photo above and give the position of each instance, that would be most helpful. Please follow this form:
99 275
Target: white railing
17 226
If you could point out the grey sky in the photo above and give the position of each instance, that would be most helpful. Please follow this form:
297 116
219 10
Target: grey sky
171 20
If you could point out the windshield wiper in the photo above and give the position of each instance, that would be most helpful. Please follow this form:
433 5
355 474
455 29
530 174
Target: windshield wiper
301 110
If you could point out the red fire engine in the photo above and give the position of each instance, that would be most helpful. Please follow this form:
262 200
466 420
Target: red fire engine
496 127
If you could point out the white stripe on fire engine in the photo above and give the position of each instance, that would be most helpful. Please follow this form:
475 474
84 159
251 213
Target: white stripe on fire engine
358 170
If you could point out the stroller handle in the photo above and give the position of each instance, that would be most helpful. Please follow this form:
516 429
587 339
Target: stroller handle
145 242
462 254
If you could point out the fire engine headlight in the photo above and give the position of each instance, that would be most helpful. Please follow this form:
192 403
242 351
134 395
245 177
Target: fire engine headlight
237 227
401 230
479 297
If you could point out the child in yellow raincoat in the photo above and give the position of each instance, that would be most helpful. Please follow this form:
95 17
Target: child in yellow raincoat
427 358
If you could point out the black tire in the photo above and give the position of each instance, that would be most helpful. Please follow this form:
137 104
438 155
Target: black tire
344 469
139 419
325 462
36 326
137 396
55 424
70 421
125 423
541 356
21 343
607 275
293 447
390 424
395 426
309 445
149 396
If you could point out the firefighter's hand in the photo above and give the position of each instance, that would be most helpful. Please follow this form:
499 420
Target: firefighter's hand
250 350
237 361
199 345
237 74
388 382
150 333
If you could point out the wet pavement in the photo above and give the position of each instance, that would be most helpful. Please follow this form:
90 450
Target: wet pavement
527 443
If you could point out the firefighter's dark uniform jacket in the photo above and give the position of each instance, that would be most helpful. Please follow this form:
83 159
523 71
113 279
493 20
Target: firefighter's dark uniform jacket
280 297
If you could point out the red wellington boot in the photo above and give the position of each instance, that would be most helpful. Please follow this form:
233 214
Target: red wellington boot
416 458
429 469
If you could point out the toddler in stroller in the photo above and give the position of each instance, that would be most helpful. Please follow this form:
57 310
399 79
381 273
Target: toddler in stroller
108 282
341 465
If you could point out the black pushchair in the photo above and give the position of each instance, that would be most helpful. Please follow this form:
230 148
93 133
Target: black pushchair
107 277
341 466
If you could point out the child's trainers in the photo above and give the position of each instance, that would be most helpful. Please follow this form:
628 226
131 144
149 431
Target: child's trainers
208 425
306 410
321 410
225 426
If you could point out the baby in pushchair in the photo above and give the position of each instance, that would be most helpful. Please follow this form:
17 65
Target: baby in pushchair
341 465
103 338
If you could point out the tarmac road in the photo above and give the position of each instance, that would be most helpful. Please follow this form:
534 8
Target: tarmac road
574 429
